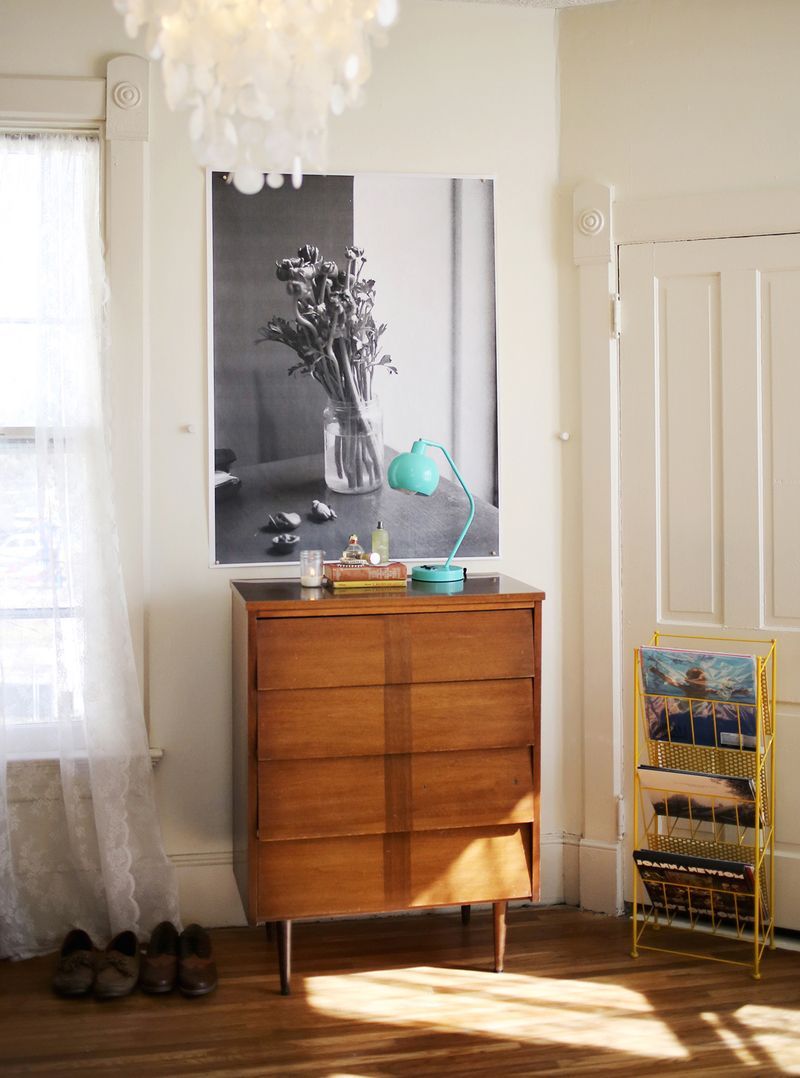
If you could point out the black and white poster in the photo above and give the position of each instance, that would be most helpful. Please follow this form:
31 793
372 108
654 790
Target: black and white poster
347 319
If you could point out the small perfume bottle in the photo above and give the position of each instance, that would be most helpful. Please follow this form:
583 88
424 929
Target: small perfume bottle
353 552
380 542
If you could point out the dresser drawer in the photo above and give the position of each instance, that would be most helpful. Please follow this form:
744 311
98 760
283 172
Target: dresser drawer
373 719
315 652
370 873
376 794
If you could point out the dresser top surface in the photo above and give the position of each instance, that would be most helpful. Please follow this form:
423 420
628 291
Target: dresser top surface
490 590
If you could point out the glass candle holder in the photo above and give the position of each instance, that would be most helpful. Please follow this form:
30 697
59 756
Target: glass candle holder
311 568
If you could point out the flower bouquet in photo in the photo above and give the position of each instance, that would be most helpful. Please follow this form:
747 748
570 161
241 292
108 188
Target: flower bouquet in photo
337 342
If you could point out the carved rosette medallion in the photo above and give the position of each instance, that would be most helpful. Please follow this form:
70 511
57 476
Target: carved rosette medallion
126 95
591 222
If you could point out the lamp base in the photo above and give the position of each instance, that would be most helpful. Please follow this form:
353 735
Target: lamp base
439 574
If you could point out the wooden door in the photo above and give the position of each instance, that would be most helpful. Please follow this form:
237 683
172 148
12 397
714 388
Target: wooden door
710 469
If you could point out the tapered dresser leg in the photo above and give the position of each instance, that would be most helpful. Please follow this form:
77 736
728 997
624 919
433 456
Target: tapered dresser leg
466 911
499 935
284 933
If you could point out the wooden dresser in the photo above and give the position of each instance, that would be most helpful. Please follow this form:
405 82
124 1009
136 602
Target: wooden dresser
386 750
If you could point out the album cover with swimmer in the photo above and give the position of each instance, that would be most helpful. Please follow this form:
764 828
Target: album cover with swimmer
699 697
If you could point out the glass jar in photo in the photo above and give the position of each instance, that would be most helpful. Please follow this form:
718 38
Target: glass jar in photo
353 446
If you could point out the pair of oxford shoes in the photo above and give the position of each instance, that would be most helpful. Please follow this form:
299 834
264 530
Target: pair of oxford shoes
184 960
83 968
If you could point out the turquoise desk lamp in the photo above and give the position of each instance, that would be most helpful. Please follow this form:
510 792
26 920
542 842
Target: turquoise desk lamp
416 473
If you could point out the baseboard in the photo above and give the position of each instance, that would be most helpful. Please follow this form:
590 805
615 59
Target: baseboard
600 876
207 889
559 868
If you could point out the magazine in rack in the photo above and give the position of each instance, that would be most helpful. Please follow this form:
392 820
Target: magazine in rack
699 797
702 888
699 698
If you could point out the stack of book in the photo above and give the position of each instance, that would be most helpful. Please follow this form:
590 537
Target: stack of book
342 574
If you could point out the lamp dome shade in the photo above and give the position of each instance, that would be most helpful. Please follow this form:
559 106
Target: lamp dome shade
414 472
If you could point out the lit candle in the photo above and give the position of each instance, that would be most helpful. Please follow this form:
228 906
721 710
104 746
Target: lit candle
311 568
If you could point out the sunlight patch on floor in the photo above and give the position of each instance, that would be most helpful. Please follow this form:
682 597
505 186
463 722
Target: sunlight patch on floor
776 1031
510 1006
731 1039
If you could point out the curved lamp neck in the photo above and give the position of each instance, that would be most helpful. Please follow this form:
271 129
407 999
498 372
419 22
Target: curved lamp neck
419 447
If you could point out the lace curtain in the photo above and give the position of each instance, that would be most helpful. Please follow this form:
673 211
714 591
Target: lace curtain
80 843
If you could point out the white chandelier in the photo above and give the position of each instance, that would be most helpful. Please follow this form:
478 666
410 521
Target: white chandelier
260 76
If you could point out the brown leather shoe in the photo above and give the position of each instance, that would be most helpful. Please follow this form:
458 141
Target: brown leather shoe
197 971
118 967
159 968
74 975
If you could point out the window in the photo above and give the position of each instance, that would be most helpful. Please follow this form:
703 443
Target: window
49 303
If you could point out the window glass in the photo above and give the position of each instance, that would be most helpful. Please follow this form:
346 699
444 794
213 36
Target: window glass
46 312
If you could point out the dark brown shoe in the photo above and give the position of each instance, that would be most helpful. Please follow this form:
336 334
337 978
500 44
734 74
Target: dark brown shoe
159 968
197 971
74 975
118 967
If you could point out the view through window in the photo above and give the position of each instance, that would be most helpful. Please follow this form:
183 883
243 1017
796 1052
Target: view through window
45 326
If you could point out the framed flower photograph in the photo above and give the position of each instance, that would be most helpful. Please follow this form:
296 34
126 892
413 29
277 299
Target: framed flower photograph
348 318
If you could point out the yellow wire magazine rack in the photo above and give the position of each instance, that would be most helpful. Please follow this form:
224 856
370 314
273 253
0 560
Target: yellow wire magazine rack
704 789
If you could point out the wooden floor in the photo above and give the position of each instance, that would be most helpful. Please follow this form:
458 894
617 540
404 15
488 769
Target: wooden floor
415 996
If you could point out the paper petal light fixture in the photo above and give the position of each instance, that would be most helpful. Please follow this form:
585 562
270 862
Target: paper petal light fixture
260 77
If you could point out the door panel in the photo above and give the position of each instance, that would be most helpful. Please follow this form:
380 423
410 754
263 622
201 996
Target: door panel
782 450
690 488
710 468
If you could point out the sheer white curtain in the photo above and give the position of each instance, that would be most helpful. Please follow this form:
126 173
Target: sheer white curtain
80 843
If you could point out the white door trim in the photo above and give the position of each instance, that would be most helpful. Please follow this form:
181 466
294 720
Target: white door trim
601 846
127 235
700 217
600 225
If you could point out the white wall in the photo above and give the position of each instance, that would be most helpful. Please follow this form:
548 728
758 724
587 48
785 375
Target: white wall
665 98
461 89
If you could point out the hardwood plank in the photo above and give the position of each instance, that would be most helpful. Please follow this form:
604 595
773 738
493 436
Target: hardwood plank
416 995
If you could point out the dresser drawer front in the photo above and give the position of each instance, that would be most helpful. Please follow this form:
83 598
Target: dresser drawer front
373 719
466 789
375 794
367 873
312 798
296 653
320 877
455 867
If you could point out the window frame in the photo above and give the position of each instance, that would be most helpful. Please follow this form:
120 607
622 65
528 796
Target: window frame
116 108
